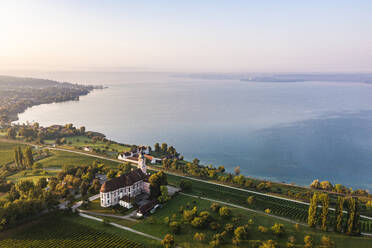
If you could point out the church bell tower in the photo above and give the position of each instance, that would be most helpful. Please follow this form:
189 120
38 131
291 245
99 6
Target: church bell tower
142 162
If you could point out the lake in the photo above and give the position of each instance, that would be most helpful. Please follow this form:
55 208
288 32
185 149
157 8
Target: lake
290 132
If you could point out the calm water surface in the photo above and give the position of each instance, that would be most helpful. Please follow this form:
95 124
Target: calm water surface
292 132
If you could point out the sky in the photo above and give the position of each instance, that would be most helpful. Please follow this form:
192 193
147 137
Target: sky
187 36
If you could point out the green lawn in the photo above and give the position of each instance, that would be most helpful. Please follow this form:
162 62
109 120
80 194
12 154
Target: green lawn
7 152
61 158
71 231
155 226
95 206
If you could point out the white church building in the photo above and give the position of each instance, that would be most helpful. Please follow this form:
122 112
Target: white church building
120 190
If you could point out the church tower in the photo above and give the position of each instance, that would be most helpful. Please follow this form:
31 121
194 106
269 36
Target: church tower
142 162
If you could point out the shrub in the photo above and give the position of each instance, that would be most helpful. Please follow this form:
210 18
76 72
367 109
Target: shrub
267 210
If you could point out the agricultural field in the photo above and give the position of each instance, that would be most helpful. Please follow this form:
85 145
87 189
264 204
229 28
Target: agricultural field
62 158
279 207
68 231
7 152
155 225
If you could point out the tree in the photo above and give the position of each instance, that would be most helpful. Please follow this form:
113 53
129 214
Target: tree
157 180
157 147
215 207
168 241
308 241
241 233
224 212
11 133
111 174
17 158
278 229
29 159
42 183
353 221
312 218
164 148
237 170
164 197
195 162
325 208
198 222
221 168
315 184
199 237
82 130
125 167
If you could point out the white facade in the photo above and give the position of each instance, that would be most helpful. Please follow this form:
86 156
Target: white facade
113 197
125 155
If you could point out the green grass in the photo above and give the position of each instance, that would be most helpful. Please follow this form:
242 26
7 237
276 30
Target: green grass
155 226
71 231
82 141
30 175
62 158
95 206
7 152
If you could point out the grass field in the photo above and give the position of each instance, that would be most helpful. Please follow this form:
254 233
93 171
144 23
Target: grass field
30 175
155 226
61 158
71 231
7 152
82 141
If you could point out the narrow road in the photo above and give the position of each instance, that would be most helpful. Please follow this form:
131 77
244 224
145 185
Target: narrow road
203 181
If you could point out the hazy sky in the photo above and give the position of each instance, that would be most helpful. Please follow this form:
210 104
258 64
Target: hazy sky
218 36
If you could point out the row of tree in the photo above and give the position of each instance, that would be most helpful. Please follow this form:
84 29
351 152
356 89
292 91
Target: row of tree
23 159
319 215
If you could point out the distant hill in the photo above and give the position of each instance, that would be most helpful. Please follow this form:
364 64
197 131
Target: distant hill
17 94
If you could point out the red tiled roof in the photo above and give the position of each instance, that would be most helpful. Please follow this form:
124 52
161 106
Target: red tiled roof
125 180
